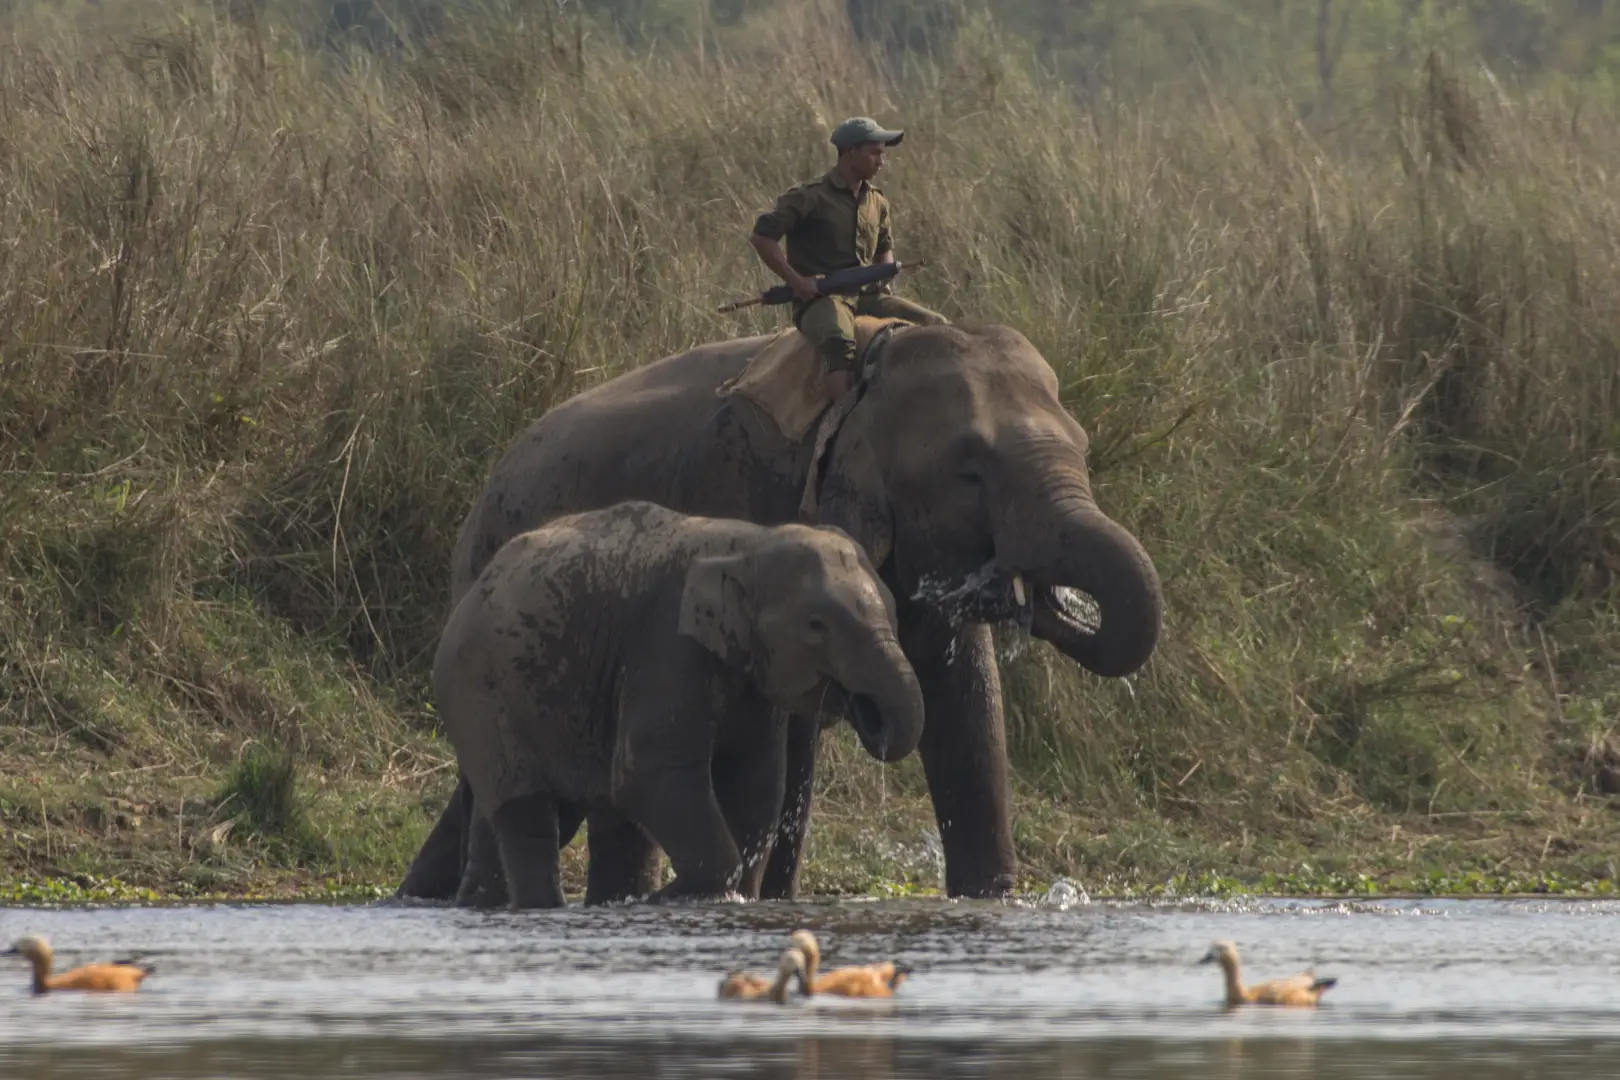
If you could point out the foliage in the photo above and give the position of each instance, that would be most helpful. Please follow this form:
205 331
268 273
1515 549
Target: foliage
261 792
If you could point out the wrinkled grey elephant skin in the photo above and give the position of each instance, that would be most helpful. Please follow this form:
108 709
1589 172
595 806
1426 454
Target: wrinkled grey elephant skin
959 472
613 660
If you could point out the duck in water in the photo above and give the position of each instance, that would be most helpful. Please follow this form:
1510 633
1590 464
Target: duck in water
1304 989
113 978
746 987
870 980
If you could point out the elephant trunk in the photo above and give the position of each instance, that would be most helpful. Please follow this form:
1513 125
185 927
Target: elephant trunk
1075 547
885 706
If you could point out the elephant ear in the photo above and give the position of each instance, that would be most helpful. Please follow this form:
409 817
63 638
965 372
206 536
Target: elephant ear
853 496
714 606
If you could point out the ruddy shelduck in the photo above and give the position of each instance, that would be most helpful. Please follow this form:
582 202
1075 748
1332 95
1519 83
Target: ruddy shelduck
746 987
870 980
1304 989
110 978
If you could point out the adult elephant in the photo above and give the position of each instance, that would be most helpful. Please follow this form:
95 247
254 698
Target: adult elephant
961 475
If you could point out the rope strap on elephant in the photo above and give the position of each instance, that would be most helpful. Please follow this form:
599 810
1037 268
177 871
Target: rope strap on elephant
784 381
784 378
834 417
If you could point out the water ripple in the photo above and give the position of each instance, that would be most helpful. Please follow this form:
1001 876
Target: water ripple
575 991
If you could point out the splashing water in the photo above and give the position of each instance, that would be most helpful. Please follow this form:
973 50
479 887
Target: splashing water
1078 607
933 852
1012 640
1064 894
986 596
947 599
922 860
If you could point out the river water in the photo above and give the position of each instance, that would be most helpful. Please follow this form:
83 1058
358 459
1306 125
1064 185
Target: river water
1067 989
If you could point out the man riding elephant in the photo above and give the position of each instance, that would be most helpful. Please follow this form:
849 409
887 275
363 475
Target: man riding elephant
955 467
837 222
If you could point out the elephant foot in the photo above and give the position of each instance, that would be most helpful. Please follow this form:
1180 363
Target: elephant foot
483 886
997 887
523 831
673 893
486 898
536 887
481 890
624 862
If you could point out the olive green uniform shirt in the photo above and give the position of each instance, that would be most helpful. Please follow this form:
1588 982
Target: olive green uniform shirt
829 227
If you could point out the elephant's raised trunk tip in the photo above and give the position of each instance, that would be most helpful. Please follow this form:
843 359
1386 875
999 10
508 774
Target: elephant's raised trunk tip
1101 559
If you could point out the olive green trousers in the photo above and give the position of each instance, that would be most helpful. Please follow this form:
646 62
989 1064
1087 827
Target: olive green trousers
829 321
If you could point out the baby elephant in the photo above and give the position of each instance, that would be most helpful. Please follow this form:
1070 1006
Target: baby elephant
629 659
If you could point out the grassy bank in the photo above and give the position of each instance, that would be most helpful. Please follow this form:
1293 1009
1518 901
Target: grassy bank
267 320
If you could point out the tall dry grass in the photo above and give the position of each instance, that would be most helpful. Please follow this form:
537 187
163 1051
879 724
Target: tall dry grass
267 317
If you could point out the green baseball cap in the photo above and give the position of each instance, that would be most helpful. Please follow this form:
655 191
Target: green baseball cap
862 129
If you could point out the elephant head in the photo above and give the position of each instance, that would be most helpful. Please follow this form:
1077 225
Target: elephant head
808 615
962 467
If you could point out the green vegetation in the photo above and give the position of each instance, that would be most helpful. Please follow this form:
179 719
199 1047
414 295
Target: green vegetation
262 791
268 318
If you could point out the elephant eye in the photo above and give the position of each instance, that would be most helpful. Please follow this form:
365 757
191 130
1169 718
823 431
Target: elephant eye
817 625
969 476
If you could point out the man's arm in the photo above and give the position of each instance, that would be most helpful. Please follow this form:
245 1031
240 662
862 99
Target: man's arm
769 228
771 254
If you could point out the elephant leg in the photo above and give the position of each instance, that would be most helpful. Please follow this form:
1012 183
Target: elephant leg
526 829
482 883
624 861
676 805
964 750
483 880
748 780
781 877
661 774
437 869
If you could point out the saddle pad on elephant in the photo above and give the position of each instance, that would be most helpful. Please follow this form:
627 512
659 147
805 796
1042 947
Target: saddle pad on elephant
784 377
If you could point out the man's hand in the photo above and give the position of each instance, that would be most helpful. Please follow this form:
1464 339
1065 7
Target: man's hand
770 253
803 287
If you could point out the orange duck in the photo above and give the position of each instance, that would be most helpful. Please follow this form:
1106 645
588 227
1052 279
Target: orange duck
1303 990
112 978
746 987
870 980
